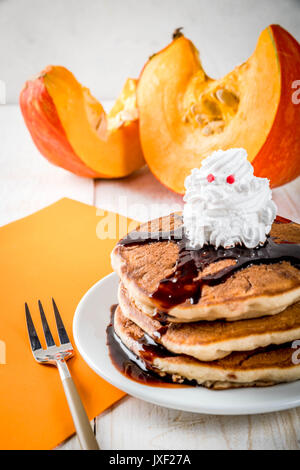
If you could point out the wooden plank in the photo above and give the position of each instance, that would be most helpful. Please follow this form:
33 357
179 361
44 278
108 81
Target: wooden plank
133 424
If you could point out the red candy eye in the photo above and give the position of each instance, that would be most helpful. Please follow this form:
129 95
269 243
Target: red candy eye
230 179
210 178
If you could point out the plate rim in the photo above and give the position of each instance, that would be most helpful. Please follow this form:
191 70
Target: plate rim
152 394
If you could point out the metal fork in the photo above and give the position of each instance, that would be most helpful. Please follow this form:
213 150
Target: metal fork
57 356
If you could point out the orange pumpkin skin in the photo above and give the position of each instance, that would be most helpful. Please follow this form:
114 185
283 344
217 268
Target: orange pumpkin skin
46 130
44 104
279 157
183 118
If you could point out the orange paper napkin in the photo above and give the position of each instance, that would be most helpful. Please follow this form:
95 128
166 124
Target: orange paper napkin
52 253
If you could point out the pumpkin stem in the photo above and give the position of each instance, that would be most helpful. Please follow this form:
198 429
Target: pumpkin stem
177 33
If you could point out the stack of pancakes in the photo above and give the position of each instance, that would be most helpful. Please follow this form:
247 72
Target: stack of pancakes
239 333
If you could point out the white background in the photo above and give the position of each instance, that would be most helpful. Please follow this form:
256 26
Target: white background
104 41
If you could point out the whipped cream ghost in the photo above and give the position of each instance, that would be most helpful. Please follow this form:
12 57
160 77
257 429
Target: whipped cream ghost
225 204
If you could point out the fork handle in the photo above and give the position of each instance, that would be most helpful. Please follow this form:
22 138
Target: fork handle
82 425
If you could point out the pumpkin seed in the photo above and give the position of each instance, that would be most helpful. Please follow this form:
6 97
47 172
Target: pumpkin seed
207 130
217 126
227 97
214 127
202 118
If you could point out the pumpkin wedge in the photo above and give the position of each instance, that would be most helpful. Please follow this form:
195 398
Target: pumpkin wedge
185 115
71 129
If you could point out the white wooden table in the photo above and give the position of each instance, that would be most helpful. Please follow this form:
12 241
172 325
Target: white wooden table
28 183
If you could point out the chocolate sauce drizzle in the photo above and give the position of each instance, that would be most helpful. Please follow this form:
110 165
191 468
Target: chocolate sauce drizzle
184 283
137 368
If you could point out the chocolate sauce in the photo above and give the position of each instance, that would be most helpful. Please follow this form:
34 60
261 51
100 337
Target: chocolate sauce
159 332
163 319
160 316
182 285
134 367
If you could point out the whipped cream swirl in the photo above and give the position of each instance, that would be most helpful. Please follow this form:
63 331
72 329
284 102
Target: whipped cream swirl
225 204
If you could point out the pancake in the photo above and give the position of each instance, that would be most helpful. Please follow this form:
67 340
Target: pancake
208 341
259 367
255 291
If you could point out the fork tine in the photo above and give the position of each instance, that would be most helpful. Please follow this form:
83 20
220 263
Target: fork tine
63 336
48 336
33 337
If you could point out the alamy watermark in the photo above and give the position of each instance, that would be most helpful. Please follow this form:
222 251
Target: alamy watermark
296 353
112 226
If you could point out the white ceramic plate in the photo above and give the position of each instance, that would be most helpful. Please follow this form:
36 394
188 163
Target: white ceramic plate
91 319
